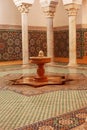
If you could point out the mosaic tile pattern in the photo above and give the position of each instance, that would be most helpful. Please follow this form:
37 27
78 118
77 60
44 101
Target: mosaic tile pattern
63 122
37 42
84 33
17 110
75 81
80 44
11 43
61 43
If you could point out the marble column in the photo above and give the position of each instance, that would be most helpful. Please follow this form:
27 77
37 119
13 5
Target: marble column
49 11
24 9
72 12
50 38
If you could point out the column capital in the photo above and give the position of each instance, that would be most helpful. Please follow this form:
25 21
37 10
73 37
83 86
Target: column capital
49 9
24 8
72 9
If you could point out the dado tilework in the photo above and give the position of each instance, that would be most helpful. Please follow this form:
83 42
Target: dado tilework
79 42
84 34
61 43
37 42
11 43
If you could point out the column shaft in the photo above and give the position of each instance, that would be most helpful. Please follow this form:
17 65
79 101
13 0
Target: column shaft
25 38
24 7
49 8
50 38
72 9
72 40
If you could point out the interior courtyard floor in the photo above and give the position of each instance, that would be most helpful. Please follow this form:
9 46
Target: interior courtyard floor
50 107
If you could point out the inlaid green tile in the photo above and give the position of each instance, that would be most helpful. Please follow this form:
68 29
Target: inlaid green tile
17 110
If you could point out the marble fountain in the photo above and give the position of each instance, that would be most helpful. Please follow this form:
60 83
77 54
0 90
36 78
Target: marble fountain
40 78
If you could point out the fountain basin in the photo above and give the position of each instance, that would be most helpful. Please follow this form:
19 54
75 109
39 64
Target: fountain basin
40 62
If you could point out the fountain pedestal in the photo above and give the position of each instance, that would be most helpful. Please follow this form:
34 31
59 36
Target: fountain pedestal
40 61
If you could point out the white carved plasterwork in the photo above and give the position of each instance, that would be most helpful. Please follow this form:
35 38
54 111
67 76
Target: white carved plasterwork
72 1
24 8
19 2
49 11
23 5
47 2
72 9
49 8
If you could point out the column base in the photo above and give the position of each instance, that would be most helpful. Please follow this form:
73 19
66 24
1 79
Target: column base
72 65
51 63
25 65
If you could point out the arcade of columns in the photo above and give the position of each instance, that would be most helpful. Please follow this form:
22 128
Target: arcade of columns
49 9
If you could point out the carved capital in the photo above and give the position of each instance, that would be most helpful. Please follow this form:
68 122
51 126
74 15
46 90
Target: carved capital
24 8
49 10
72 9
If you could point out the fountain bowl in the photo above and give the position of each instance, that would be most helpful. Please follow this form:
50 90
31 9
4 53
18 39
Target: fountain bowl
39 60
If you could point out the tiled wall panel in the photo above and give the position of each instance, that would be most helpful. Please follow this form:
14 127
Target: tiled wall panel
11 43
61 43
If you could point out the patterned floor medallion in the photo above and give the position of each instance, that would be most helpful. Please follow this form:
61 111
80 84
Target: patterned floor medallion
63 122
50 107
